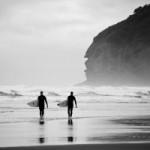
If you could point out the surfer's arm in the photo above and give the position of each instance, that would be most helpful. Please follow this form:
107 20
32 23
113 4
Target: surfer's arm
75 101
46 102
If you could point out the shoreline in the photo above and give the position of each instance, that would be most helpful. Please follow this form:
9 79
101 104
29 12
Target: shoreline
119 146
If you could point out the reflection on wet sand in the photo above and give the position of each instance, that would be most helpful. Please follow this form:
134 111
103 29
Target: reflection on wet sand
70 129
41 139
41 121
70 139
70 122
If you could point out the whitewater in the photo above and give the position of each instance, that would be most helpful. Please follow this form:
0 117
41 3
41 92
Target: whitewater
104 114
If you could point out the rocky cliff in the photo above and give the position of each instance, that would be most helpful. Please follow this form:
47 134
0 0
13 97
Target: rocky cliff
120 55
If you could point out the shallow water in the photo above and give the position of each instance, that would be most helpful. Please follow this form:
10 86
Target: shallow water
104 115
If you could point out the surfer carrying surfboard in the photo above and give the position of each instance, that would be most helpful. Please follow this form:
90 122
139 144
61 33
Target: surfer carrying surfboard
42 100
71 99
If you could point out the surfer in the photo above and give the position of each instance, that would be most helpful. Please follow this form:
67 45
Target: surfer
70 99
42 100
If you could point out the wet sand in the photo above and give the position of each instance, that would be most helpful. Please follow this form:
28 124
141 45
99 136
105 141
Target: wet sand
48 132
138 146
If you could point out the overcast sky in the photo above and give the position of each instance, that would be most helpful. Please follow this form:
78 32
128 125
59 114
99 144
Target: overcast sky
43 42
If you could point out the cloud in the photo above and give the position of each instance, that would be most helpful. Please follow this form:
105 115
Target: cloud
46 19
53 35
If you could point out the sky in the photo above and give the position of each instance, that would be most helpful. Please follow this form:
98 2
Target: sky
43 42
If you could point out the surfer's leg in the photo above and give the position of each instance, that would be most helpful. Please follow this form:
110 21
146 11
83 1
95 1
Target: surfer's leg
39 111
68 112
42 112
71 111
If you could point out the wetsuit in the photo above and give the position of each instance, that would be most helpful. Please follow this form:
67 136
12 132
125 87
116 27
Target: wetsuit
42 100
71 98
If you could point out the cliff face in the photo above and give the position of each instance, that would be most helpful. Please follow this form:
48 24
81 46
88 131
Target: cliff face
120 55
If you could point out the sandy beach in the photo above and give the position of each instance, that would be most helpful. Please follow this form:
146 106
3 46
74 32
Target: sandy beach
86 147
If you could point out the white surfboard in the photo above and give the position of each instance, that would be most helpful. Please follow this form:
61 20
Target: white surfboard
63 103
34 103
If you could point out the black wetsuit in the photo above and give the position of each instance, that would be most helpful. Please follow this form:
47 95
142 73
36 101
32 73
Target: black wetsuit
71 98
42 100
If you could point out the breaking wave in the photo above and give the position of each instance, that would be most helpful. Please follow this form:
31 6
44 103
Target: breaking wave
89 94
52 94
12 93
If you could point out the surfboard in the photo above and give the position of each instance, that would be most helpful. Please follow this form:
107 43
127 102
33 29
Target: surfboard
34 103
63 103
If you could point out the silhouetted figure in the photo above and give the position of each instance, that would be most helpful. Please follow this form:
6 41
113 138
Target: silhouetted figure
42 100
70 99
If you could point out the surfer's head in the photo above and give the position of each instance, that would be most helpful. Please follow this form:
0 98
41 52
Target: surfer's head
41 92
71 93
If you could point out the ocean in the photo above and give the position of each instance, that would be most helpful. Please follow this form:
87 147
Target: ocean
103 115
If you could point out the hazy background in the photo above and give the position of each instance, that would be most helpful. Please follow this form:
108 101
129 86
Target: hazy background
43 42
